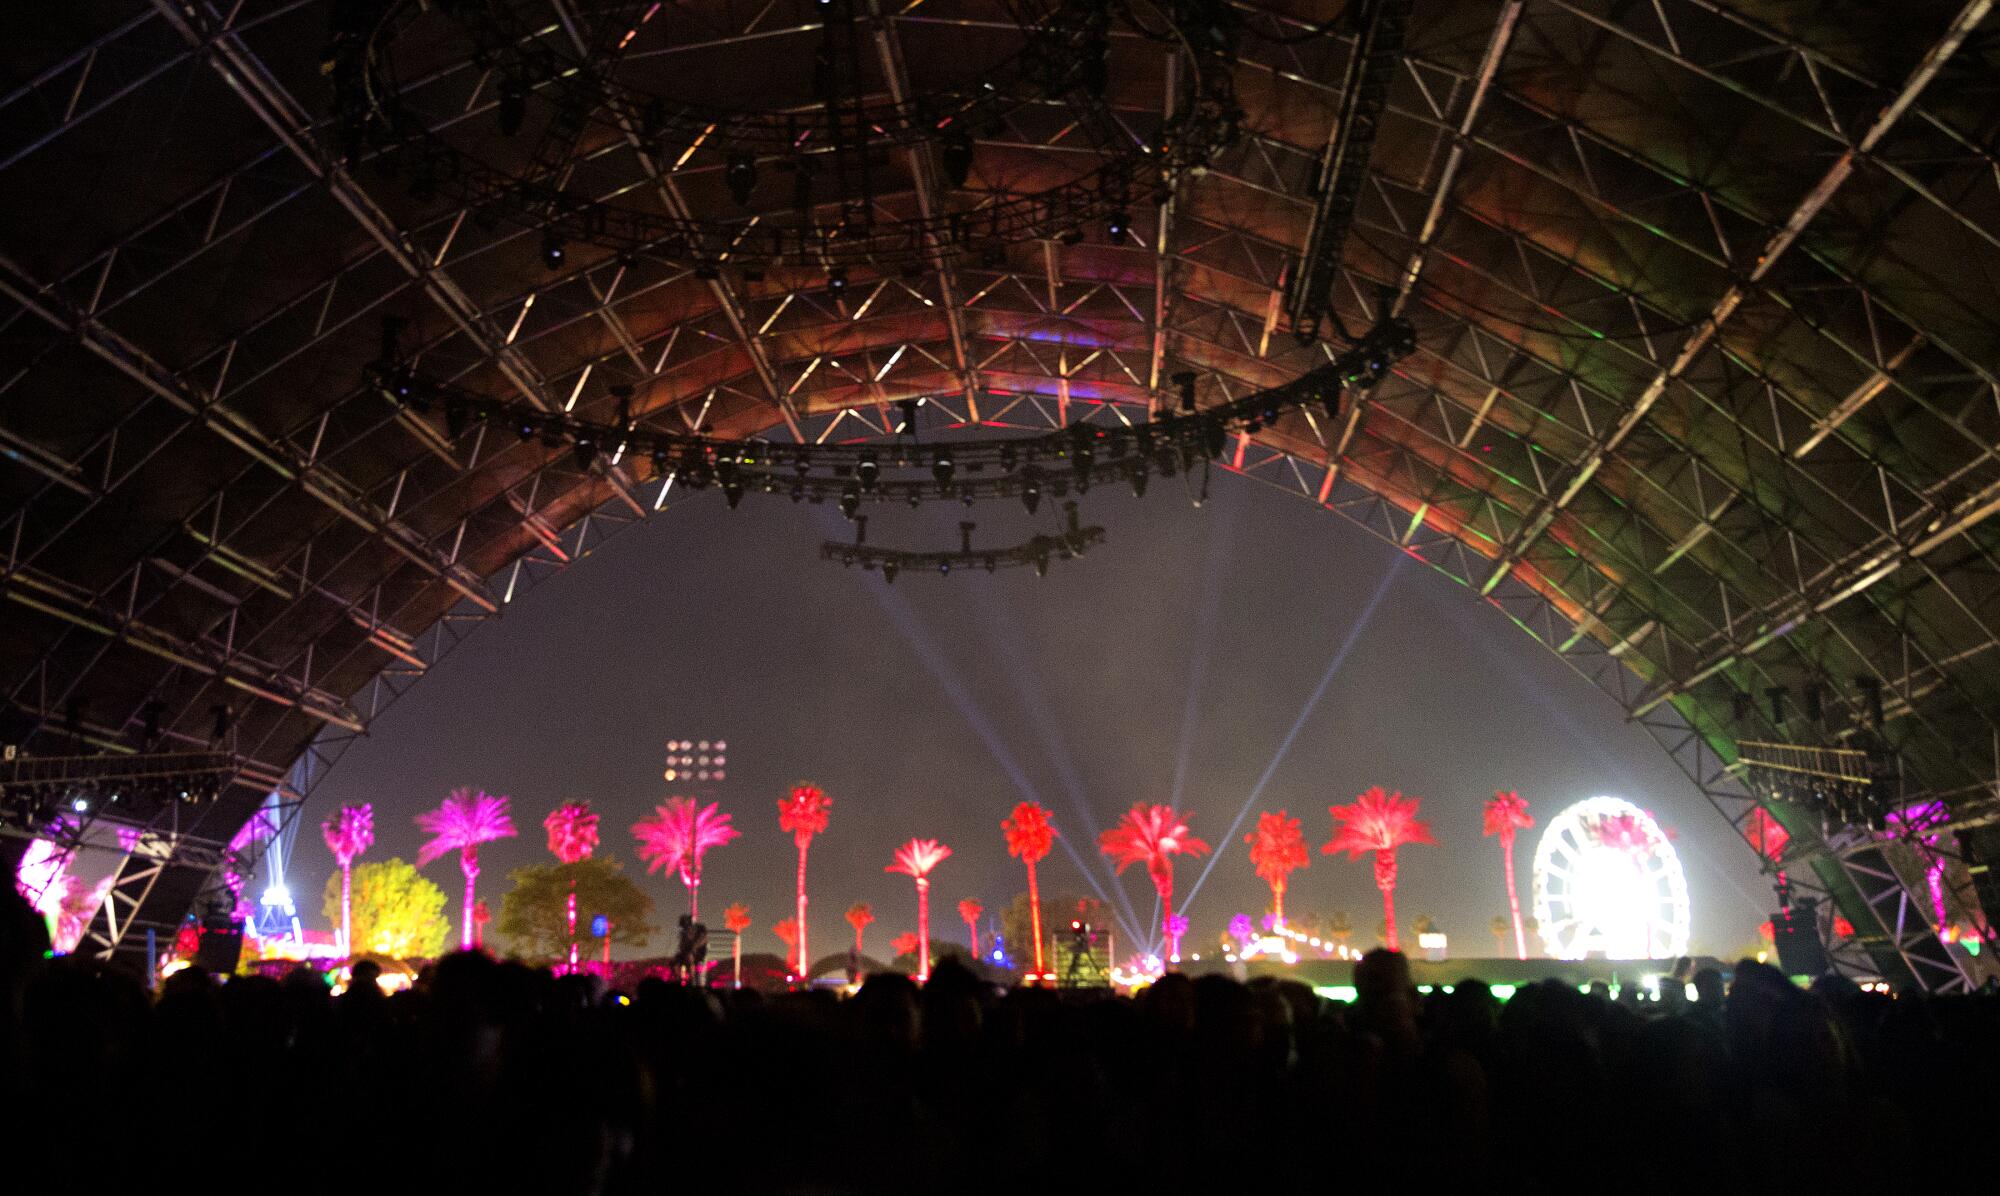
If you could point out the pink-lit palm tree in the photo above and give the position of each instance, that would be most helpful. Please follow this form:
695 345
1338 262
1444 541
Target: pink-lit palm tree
1507 813
1379 822
859 915
676 835
1153 835
804 814
915 859
349 833
968 913
1030 836
1277 849
572 829
461 824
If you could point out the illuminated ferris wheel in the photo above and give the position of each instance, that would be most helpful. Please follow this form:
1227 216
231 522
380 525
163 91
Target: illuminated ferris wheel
1608 883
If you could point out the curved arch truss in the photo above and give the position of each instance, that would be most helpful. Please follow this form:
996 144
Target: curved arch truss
1704 397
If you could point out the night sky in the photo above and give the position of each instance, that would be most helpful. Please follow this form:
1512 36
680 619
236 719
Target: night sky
1176 659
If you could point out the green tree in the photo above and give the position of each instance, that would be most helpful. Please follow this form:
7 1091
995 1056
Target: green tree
397 912
534 915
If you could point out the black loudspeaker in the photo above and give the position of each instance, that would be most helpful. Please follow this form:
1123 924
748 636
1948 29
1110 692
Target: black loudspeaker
1796 935
221 948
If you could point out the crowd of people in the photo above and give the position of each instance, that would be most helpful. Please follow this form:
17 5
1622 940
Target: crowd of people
492 1076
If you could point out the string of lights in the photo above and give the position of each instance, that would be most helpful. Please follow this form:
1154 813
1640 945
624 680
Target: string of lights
908 469
1035 552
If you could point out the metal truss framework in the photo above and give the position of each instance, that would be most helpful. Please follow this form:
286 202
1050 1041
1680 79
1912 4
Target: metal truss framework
1702 401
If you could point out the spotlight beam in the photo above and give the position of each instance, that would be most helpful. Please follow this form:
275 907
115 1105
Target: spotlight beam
926 650
1223 844
1221 539
1005 633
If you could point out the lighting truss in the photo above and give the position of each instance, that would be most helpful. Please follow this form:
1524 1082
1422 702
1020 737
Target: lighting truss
1061 64
1035 552
1077 456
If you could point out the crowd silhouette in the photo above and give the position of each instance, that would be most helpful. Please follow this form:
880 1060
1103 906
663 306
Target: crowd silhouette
492 1076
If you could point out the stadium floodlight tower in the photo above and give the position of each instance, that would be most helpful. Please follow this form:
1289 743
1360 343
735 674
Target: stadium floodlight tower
697 762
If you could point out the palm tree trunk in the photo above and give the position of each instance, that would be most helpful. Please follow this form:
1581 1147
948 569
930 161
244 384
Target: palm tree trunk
1513 897
1389 915
1278 901
972 932
1035 914
572 921
347 907
736 955
469 864
1166 922
923 929
802 912
694 898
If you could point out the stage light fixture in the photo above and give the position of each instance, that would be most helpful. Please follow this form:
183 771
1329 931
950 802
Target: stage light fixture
1213 438
1008 458
586 451
836 280
732 493
740 176
1031 491
513 107
850 499
553 253
908 408
956 156
942 467
889 572
1117 225
1140 476
868 469
1185 382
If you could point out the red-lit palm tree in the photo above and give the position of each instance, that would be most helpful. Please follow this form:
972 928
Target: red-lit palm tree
915 859
788 932
859 915
1153 835
676 835
737 919
461 824
1030 836
1277 849
1507 813
968 913
804 814
903 944
1379 822
572 829
349 833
